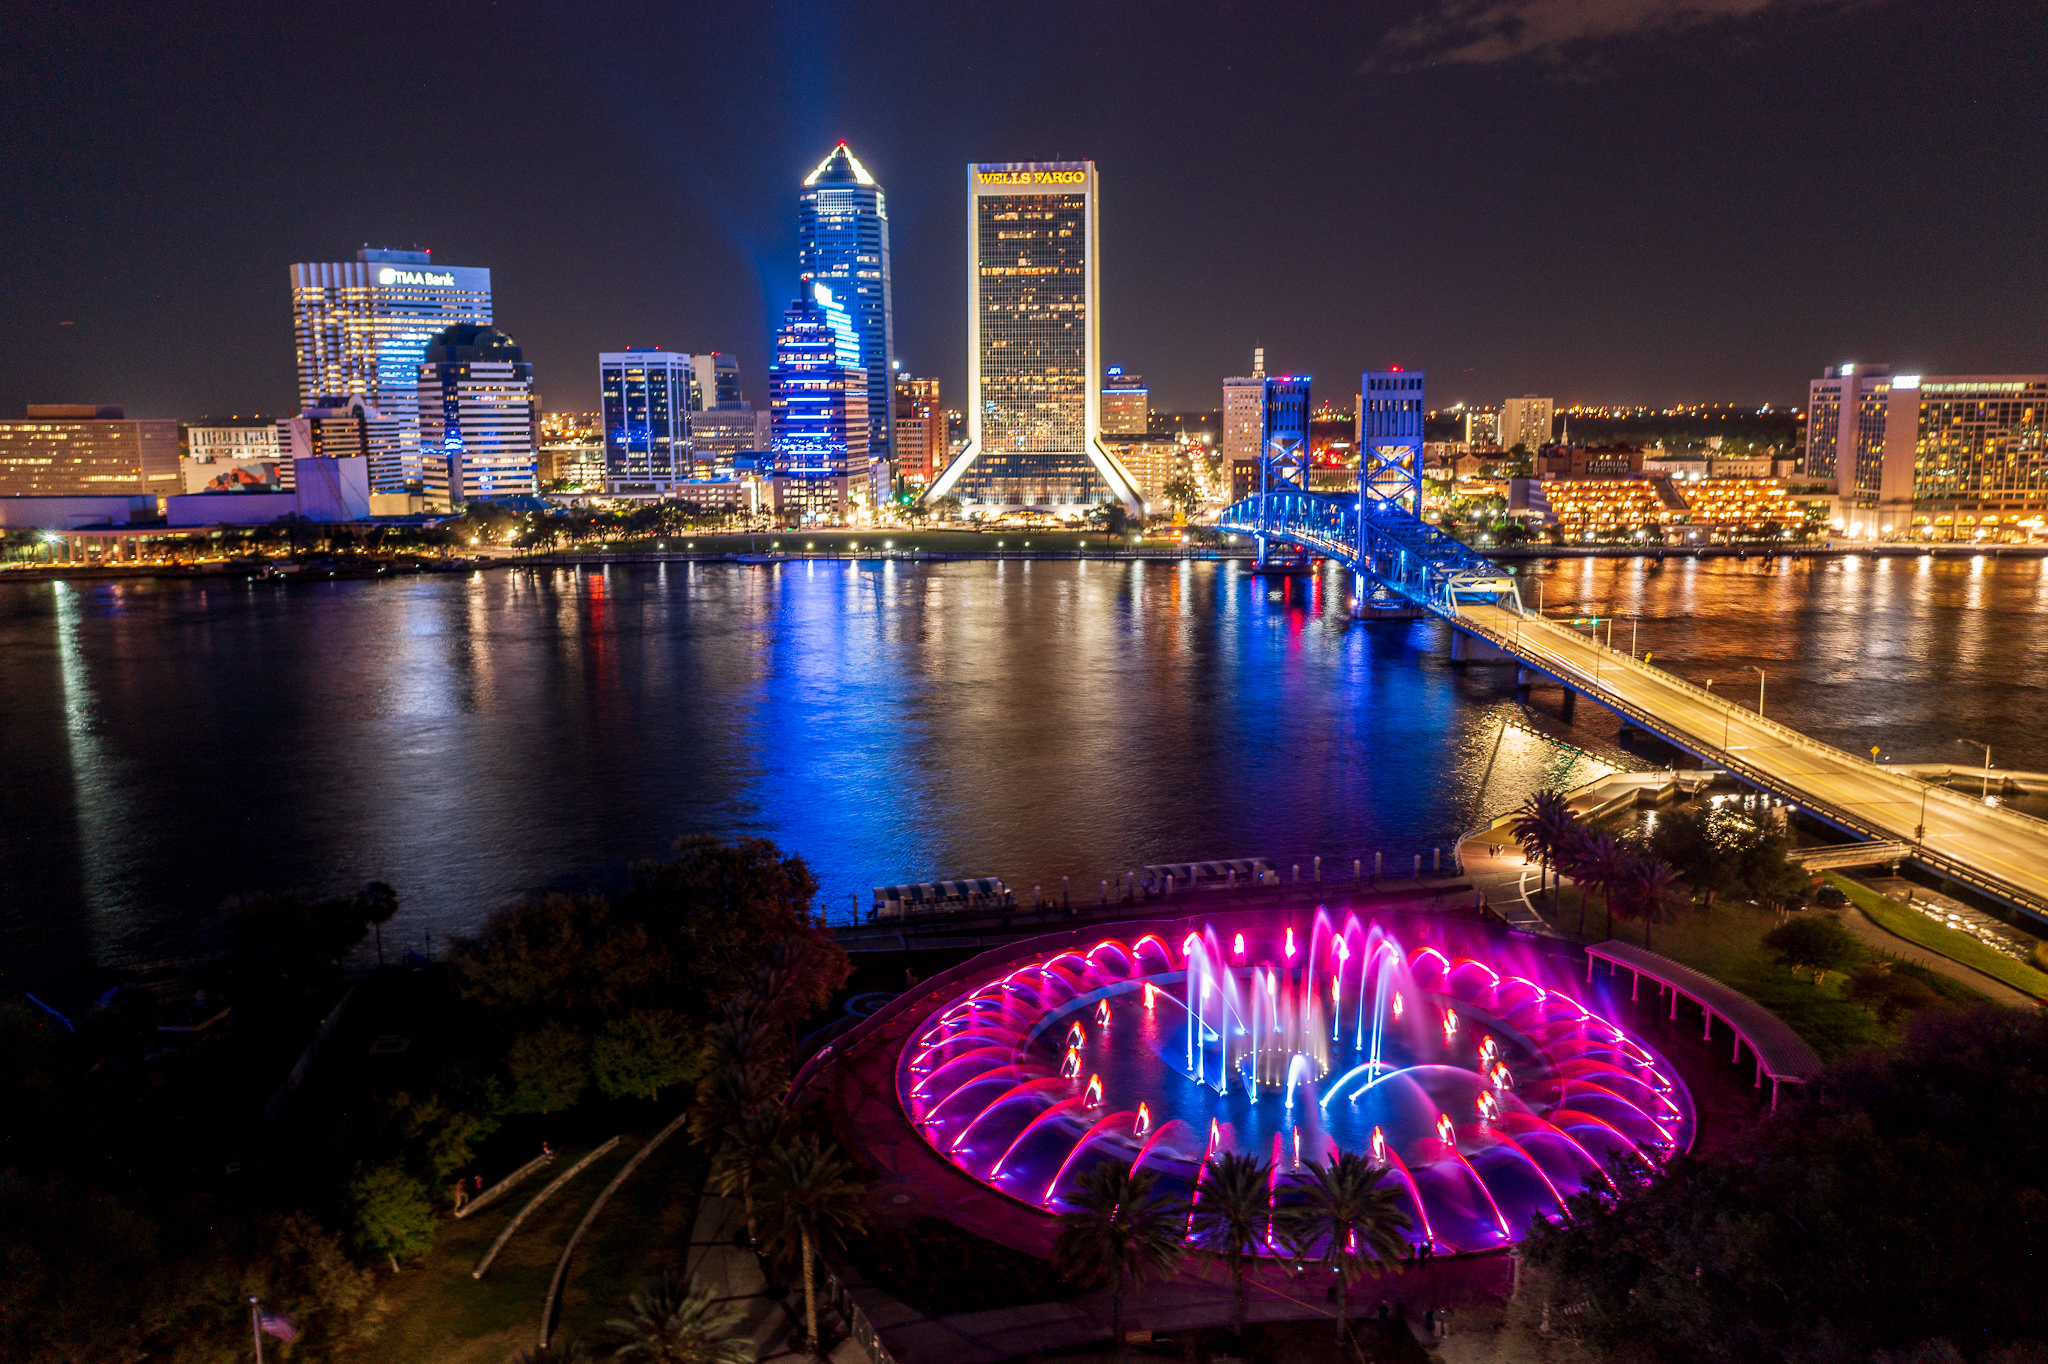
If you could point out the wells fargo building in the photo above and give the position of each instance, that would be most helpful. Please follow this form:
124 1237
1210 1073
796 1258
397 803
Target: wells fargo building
1034 412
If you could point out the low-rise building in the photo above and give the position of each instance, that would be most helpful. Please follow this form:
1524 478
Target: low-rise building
1589 461
1597 507
1742 507
82 450
229 454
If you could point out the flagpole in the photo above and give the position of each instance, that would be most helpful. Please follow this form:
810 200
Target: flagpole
256 1327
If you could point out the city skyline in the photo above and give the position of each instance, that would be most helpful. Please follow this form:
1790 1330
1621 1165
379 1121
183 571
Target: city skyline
1678 252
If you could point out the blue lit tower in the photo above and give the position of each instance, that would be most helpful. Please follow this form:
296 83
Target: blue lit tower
1390 413
842 224
1283 453
818 396
646 395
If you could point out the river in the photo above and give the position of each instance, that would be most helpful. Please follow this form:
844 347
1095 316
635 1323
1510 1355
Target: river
470 739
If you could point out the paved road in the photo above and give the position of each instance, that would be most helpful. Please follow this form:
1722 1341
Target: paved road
2006 850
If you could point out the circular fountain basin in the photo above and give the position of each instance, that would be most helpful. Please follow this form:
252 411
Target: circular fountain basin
1456 1056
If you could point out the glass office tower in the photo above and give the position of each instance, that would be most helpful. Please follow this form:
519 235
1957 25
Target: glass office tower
1034 409
842 224
646 394
361 328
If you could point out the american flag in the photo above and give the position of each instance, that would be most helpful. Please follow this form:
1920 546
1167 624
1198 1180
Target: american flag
279 1325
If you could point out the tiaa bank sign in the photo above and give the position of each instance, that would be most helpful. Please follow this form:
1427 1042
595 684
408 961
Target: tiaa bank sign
390 276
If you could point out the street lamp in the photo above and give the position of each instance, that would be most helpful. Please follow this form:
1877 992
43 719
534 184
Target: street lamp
1920 829
1976 743
1759 690
1724 718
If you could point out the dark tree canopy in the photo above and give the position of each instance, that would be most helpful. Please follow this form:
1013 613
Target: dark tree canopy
1894 1205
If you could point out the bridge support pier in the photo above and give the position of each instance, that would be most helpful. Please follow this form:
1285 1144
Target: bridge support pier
1467 648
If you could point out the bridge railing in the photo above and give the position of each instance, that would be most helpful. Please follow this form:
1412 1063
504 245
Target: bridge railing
1908 787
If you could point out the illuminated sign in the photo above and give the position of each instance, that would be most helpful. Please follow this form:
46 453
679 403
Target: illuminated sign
390 276
1031 177
1906 381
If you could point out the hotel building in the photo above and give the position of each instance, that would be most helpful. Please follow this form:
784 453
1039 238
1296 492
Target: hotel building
1034 402
1934 456
361 329
842 226
77 450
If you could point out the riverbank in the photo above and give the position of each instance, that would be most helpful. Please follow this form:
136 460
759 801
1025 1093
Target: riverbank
925 546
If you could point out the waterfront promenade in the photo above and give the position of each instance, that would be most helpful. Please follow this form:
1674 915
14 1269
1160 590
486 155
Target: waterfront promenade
1962 837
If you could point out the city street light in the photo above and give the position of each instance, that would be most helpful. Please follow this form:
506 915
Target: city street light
1724 718
1979 743
1920 829
1759 690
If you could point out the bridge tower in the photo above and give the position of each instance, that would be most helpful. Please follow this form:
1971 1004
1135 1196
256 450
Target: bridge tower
1391 409
1283 462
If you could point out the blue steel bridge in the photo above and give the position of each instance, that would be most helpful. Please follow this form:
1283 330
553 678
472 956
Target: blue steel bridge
1402 566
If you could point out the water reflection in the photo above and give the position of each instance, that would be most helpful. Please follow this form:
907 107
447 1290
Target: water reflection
472 738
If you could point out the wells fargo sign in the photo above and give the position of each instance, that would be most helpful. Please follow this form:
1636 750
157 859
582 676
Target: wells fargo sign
1034 177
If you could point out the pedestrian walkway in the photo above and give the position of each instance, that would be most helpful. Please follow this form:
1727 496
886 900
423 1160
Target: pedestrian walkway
1883 940
732 1275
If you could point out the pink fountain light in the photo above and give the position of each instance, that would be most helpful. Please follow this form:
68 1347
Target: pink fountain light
1454 1056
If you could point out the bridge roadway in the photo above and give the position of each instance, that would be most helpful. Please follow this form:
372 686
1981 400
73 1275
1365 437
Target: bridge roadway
1996 851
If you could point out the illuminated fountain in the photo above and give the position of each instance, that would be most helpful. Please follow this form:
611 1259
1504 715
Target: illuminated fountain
1455 1059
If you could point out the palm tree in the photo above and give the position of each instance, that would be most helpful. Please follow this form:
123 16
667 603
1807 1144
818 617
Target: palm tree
1349 1210
808 1197
1233 1202
1119 1232
673 1322
1642 885
749 1146
1542 826
1597 861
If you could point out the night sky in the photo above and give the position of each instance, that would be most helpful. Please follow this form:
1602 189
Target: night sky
1604 200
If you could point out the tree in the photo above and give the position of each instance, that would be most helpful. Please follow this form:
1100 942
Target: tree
750 1145
642 1054
808 1198
1640 889
1813 943
1542 827
379 902
1685 840
1880 1214
1119 1233
1596 862
548 1069
947 507
1232 1208
673 1322
390 1213
1348 1219
1890 992
1180 491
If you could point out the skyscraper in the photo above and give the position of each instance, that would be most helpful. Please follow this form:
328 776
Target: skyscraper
818 397
1525 421
1034 402
920 429
1126 404
646 394
475 396
361 329
842 226
715 383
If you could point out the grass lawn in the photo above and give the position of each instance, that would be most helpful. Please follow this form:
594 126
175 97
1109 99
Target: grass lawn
1725 943
1916 927
435 1313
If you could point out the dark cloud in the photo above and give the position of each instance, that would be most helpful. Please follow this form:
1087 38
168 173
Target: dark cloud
1480 32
